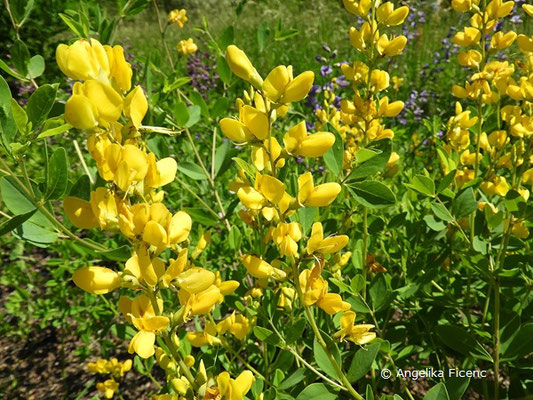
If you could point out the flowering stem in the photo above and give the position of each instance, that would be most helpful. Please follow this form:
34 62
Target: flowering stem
162 32
319 337
365 249
82 160
496 353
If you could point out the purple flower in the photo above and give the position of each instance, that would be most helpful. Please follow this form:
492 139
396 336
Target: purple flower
325 70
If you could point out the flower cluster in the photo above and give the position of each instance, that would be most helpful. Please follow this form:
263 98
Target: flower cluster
501 156
201 70
267 204
178 17
116 369
131 203
365 112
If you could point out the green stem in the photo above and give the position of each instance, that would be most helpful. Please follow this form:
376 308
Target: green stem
496 352
319 338
162 32
365 249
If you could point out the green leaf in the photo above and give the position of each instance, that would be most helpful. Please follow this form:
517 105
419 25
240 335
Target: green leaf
54 131
369 392
459 339
321 357
294 332
316 391
307 217
248 168
372 161
220 155
40 104
195 114
422 184
122 331
456 387
262 35
181 114
11 72
380 294
57 175
8 127
36 234
179 82
266 335
234 238
441 211
521 344
15 222
223 70
193 171
19 116
437 392
121 253
14 197
35 67
446 181
334 158
433 224
73 25
20 56
197 99
221 107
201 216
228 37
362 362
81 188
372 194
464 204
295 378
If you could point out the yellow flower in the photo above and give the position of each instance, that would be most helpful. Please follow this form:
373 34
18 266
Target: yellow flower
207 336
392 47
241 66
468 37
186 46
359 334
286 236
281 87
144 318
238 325
528 8
259 268
310 195
298 143
520 230
252 124
388 16
317 243
96 280
201 302
234 389
108 388
501 41
135 106
178 17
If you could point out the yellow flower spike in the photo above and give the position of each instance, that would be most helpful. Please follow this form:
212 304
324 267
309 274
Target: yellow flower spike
501 41
80 213
310 195
235 130
270 187
135 106
195 279
179 228
120 70
332 303
256 121
185 47
178 17
106 100
241 66
528 8
235 389
298 88
317 243
108 388
276 82
83 60
81 113
96 280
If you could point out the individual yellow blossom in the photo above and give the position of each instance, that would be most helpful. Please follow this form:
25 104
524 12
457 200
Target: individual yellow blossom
280 86
201 302
241 66
520 230
261 269
178 17
297 142
238 325
96 280
310 195
359 334
286 237
234 389
207 336
186 46
108 388
317 243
